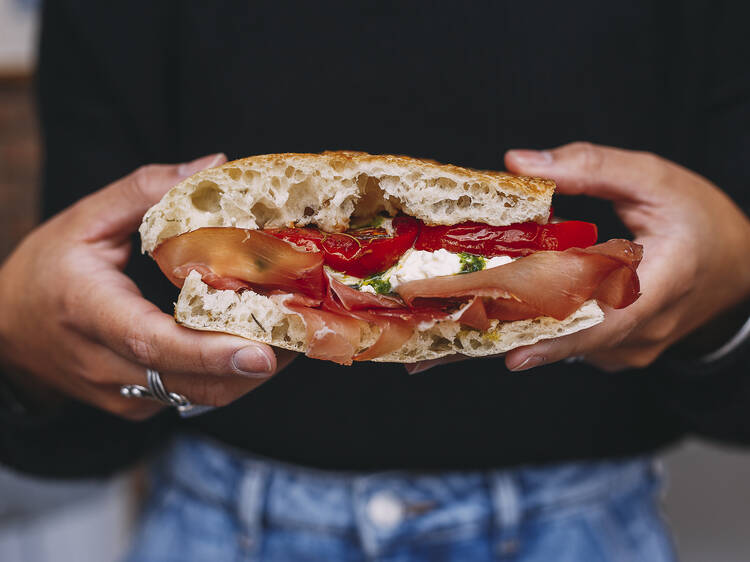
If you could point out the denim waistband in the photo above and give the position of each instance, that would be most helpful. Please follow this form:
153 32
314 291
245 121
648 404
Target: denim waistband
379 506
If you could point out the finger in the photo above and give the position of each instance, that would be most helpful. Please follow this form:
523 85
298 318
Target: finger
599 171
117 210
138 331
106 370
284 357
101 370
421 366
629 357
108 397
617 325
207 390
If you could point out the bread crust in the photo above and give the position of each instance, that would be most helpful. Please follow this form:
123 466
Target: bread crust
328 189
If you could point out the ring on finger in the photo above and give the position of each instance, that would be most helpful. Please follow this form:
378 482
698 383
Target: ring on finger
158 392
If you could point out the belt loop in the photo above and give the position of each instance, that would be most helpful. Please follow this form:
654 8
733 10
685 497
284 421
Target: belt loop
251 493
506 501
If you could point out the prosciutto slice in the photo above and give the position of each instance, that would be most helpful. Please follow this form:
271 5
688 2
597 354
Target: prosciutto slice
334 333
367 307
330 336
552 284
394 332
248 256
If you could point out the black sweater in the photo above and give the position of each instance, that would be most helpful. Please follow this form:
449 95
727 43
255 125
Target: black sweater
168 81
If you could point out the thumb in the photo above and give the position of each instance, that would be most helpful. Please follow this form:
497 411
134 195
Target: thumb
583 168
116 211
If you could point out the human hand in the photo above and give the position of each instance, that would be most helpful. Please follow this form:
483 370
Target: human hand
696 253
74 323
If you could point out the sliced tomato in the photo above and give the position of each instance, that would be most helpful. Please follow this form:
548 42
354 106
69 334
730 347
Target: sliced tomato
242 256
358 252
514 240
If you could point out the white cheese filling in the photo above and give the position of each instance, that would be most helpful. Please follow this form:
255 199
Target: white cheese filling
419 264
415 265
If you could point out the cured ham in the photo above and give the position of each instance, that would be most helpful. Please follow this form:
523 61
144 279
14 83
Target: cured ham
330 336
334 333
210 278
369 307
394 332
475 315
552 284
250 256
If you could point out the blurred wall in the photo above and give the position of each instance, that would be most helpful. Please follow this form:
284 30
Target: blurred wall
19 161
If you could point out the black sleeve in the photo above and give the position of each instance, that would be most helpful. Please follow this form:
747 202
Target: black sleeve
713 399
104 110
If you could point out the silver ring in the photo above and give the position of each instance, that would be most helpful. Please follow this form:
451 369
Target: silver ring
156 391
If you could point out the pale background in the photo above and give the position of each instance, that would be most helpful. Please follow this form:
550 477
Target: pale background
708 494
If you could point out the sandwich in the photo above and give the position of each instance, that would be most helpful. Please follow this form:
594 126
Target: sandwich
347 256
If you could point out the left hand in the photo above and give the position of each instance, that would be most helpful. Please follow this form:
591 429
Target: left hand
696 253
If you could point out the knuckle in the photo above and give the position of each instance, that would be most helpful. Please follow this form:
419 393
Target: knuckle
90 375
141 348
590 155
659 169
142 173
208 362
141 179
644 358
660 329
650 159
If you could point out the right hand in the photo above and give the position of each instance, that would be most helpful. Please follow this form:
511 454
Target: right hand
74 323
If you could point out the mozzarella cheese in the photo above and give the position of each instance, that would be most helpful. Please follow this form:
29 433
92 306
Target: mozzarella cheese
419 264
415 265
497 261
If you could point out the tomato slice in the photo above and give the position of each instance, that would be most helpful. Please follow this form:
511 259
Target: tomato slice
515 240
359 252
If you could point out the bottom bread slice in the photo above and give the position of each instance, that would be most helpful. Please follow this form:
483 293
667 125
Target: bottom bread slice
259 318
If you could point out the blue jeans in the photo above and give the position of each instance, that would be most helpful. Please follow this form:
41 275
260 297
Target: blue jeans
210 503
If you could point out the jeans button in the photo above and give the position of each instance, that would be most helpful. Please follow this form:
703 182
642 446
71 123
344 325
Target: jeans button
385 510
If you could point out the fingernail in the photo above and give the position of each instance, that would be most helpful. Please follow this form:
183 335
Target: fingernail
251 361
529 363
189 168
531 157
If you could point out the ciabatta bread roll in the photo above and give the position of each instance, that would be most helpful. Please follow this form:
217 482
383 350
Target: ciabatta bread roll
483 309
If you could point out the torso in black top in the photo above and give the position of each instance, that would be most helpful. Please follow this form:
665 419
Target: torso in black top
168 81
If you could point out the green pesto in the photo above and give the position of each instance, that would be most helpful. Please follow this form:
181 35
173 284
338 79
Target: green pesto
381 286
471 263
377 222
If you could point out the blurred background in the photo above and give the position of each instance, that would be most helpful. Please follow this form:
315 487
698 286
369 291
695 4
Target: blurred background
707 502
